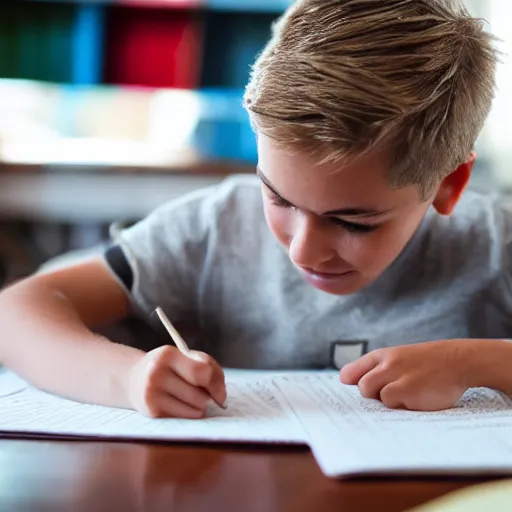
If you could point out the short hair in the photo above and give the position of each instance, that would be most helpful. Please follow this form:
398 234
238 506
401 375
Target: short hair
339 78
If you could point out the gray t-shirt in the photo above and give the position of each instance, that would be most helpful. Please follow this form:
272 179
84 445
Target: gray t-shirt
210 261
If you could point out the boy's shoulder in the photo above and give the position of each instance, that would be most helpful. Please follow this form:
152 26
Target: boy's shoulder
481 214
473 242
204 216
233 199
237 216
238 190
231 192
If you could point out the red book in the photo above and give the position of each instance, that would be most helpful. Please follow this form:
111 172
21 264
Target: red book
153 47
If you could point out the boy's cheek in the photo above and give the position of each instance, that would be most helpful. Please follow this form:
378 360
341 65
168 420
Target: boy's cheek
370 254
279 223
385 246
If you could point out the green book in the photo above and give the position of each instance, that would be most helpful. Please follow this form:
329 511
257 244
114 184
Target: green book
36 40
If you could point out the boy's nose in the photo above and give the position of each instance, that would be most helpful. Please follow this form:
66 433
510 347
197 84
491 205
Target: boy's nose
310 245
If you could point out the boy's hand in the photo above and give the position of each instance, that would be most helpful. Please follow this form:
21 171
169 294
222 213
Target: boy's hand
167 383
424 377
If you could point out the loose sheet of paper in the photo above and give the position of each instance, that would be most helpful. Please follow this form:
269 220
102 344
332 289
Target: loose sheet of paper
256 413
352 436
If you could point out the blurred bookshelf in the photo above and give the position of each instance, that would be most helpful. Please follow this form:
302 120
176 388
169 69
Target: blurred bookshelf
109 108
138 62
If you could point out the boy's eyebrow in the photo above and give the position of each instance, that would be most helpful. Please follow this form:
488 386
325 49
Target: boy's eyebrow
269 185
342 212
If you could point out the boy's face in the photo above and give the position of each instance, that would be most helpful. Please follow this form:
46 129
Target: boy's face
341 224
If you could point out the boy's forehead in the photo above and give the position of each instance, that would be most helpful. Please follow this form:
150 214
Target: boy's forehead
360 182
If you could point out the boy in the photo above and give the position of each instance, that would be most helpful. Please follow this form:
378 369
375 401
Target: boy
366 113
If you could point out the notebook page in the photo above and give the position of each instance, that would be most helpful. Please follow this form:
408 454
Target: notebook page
256 413
352 436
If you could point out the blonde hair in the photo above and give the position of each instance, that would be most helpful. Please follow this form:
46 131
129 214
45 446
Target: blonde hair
343 77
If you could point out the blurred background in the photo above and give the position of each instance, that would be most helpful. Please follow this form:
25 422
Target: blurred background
109 108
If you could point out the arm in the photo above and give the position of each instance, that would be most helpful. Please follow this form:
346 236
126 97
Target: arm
489 364
47 339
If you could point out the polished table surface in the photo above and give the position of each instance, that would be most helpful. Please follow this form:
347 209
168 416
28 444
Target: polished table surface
96 476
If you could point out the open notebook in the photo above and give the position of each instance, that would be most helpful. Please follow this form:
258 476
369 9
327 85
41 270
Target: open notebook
350 436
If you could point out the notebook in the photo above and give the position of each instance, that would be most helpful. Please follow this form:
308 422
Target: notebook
256 413
350 436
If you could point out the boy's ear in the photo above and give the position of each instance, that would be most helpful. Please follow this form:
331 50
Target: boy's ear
452 186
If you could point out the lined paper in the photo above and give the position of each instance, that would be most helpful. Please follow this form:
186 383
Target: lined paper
255 413
351 435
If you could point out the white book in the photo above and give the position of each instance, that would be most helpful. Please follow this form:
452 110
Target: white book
350 436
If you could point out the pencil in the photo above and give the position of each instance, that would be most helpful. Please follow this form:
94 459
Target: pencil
173 332
176 337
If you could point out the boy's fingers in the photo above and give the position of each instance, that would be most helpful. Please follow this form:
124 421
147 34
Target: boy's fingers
202 371
391 397
212 379
371 383
217 381
191 395
352 373
167 406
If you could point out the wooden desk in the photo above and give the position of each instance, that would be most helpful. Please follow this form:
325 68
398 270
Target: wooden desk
88 476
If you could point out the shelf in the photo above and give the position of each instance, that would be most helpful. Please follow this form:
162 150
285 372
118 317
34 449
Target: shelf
43 123
84 198
136 83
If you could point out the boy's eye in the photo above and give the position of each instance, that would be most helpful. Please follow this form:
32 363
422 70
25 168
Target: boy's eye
355 227
279 201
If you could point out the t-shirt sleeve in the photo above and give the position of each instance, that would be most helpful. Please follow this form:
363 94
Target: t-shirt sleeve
159 261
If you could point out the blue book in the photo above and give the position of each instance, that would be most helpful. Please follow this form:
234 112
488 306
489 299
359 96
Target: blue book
87 44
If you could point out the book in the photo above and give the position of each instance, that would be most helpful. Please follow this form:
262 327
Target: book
350 436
